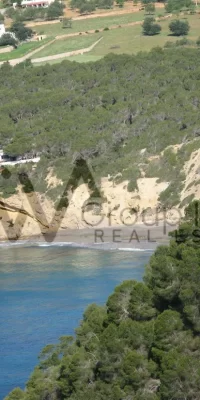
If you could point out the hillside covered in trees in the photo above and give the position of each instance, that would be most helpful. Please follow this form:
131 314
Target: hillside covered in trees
118 114
143 345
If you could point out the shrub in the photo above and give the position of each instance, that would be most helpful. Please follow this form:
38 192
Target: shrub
104 4
87 8
150 28
8 40
171 196
169 44
21 31
175 6
150 8
198 41
106 29
120 3
184 42
1 18
55 10
132 186
96 30
179 28
187 200
67 23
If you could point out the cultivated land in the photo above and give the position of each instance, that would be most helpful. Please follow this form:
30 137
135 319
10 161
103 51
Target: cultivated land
89 24
23 50
83 25
127 40
130 39
68 44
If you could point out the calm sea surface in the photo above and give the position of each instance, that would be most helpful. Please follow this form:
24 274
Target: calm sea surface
43 293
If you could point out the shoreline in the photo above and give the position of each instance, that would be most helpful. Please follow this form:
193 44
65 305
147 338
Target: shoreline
138 236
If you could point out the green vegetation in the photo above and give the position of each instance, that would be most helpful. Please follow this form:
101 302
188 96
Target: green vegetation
90 24
131 41
143 344
150 8
106 113
68 44
120 3
81 58
7 40
175 6
181 42
54 11
22 50
67 22
150 28
179 28
169 168
20 31
87 6
146 2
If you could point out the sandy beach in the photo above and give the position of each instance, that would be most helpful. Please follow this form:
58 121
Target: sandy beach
119 237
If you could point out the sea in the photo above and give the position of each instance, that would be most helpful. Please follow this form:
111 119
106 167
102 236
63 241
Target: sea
44 290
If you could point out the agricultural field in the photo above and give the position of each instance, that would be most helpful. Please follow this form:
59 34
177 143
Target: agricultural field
130 39
22 50
127 40
68 44
90 24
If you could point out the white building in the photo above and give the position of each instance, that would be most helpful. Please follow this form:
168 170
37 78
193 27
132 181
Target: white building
9 160
36 3
2 30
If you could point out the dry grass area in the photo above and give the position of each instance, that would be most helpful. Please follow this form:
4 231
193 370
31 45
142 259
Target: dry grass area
128 7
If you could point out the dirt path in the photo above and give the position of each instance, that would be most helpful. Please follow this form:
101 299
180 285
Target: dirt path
133 9
110 28
16 61
82 51
68 54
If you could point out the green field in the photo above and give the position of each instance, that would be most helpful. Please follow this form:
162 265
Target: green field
130 39
89 24
22 50
68 44
127 40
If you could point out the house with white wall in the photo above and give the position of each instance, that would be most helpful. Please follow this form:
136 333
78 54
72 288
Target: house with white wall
5 159
34 3
2 30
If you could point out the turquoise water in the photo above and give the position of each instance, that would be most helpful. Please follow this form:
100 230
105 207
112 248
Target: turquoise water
43 293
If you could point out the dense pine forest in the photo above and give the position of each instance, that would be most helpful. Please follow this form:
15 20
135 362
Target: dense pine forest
143 345
115 114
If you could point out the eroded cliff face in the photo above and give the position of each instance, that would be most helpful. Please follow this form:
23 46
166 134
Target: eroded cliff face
26 215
